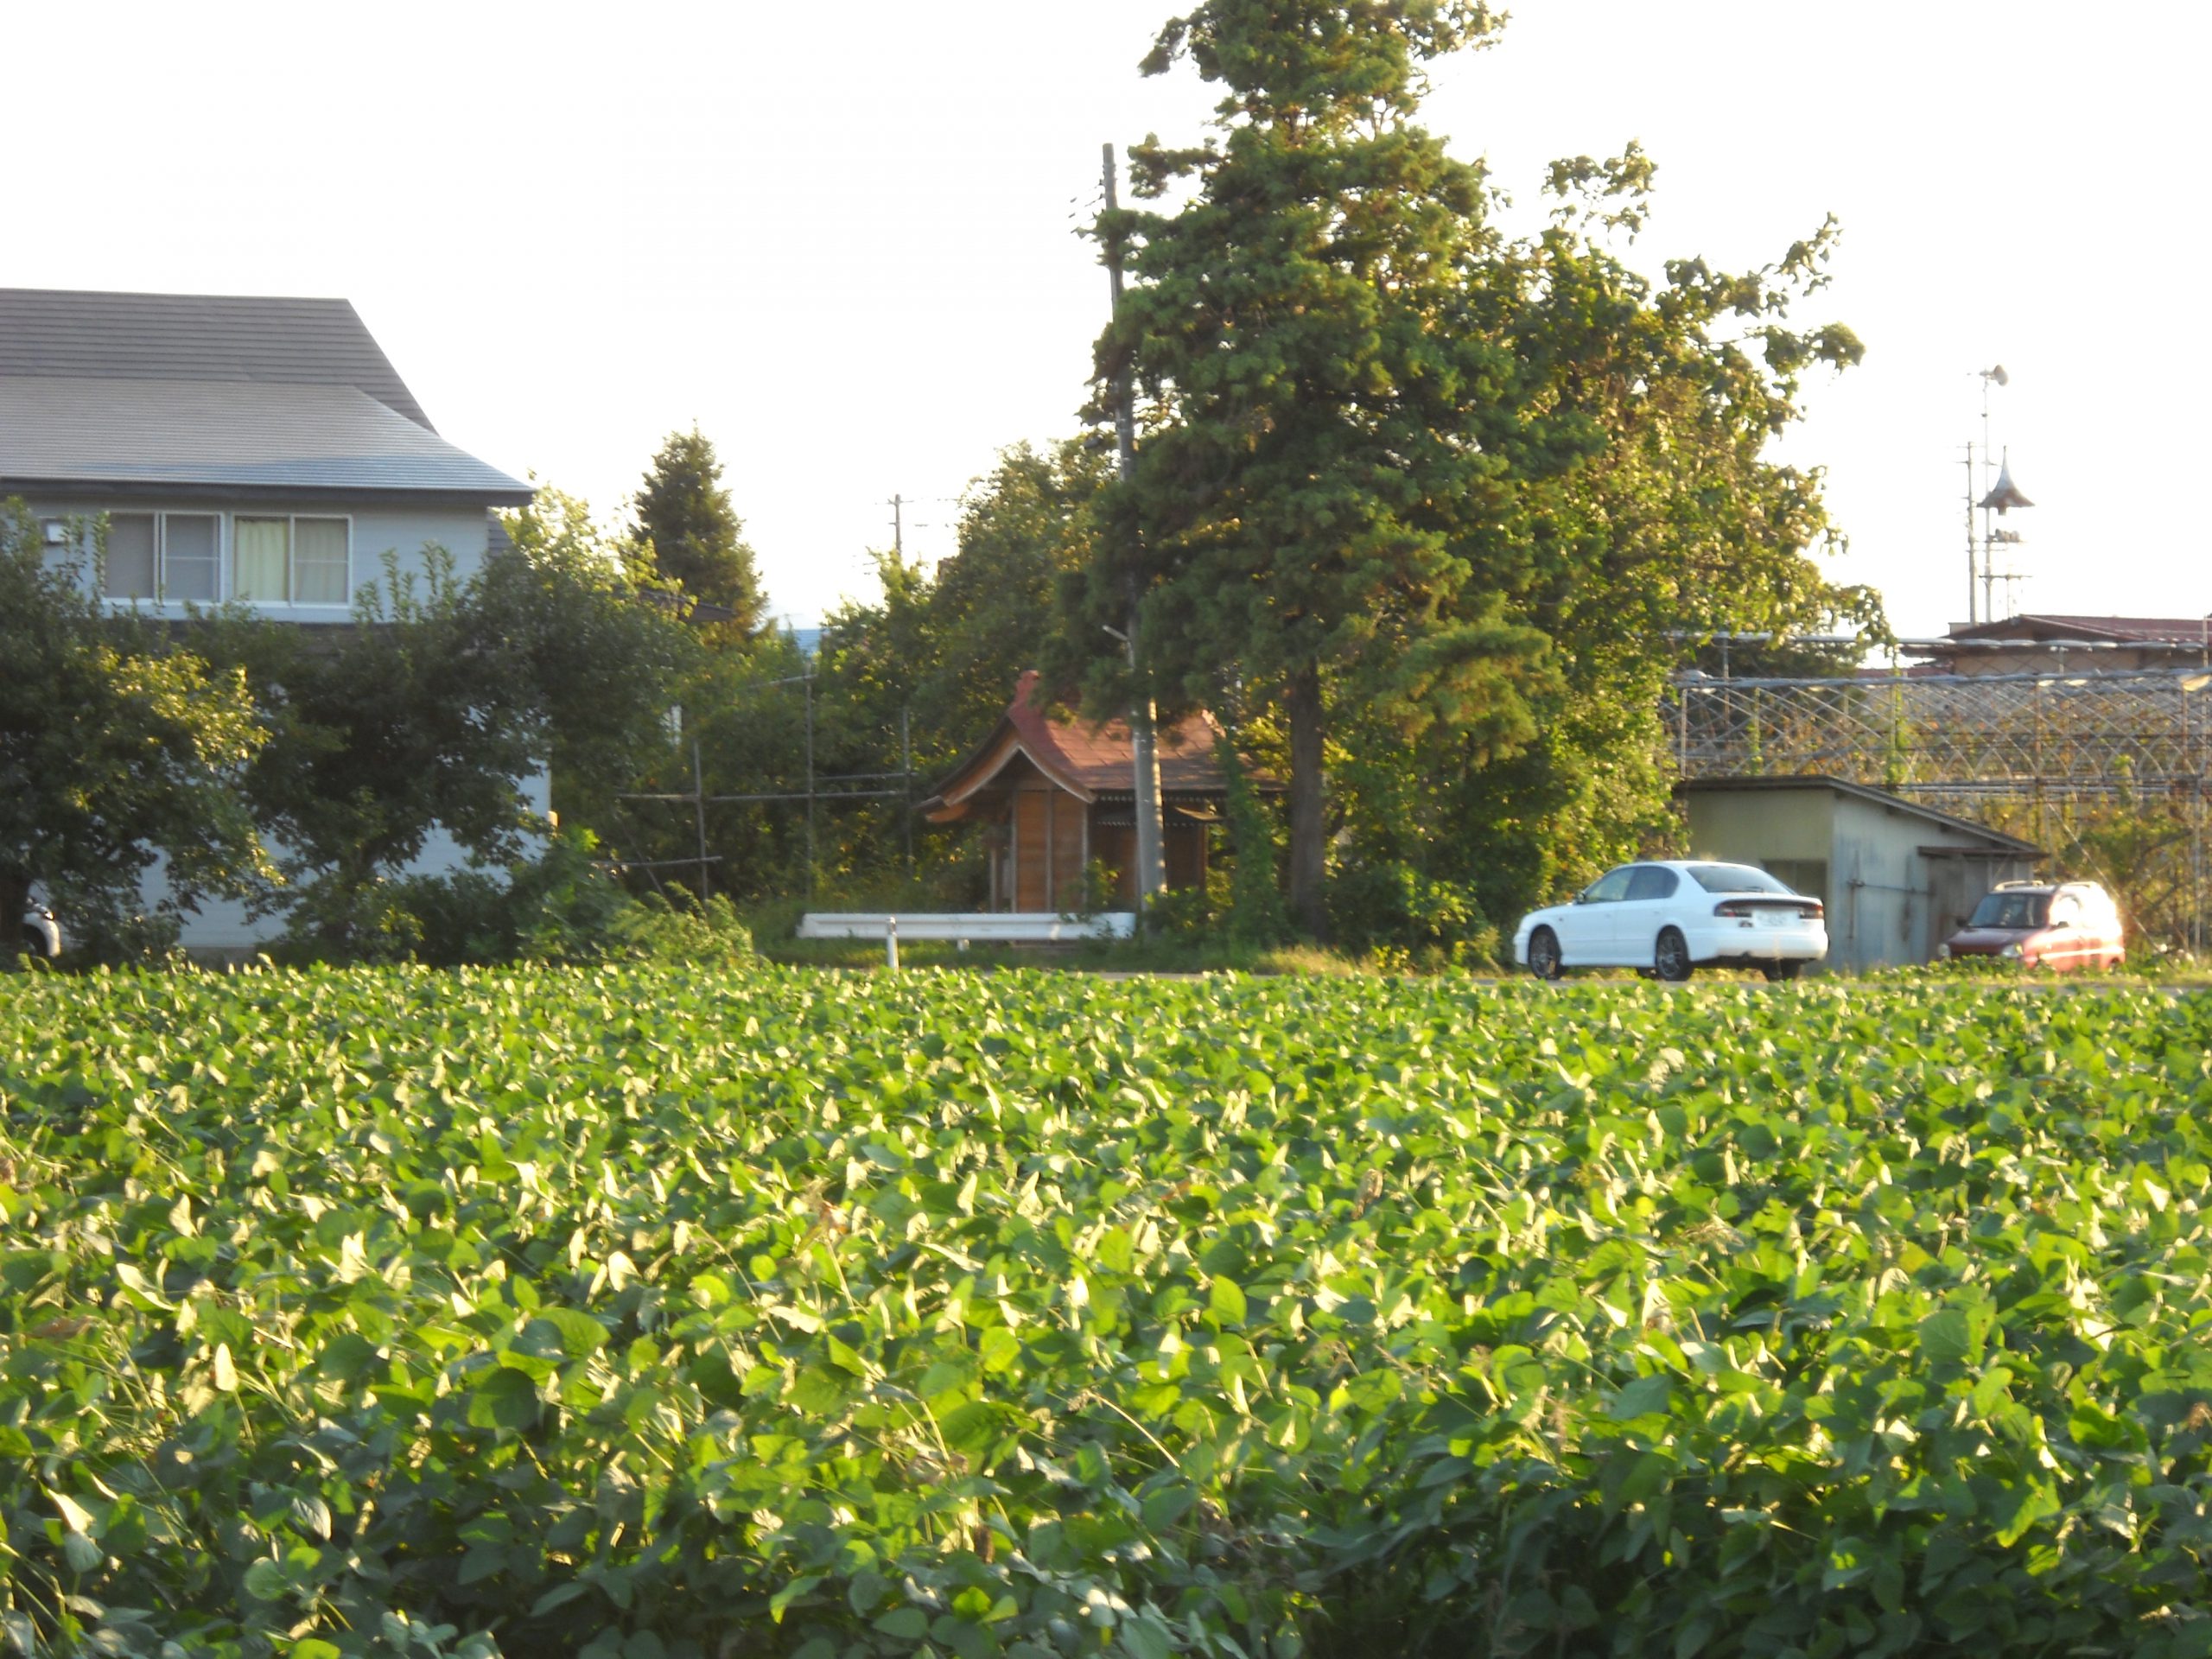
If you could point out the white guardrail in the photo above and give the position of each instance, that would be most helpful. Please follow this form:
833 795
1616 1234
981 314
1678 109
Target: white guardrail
985 927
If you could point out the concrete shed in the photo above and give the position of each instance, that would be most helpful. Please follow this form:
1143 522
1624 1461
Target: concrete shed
1898 878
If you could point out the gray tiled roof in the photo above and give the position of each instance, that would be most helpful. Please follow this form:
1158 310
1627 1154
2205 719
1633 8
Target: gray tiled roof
58 430
60 333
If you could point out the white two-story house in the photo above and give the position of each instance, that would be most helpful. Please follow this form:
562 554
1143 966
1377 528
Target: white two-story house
252 449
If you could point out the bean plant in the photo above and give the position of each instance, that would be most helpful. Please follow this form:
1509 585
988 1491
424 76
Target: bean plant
642 1313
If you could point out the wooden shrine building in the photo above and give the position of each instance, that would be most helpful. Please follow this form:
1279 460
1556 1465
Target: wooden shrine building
1054 794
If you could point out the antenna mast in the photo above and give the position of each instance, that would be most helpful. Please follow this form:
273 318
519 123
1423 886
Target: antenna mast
2003 496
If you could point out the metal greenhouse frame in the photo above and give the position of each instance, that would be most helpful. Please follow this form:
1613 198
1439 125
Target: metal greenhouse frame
2039 754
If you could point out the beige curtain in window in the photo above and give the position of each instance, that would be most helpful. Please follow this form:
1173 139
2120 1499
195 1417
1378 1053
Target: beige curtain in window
319 550
263 549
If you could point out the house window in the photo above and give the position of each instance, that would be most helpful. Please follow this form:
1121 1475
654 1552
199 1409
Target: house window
293 560
160 555
128 571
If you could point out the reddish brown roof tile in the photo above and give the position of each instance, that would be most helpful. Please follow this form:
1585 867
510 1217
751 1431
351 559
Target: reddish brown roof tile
1088 760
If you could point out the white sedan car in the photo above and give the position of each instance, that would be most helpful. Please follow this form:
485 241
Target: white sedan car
1667 918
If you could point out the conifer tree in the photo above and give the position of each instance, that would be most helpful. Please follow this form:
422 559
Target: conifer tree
1335 406
697 542
1452 503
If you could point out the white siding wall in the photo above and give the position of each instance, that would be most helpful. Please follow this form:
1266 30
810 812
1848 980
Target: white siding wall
460 530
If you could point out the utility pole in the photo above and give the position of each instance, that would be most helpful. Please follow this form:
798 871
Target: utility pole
699 821
899 528
813 861
907 786
1152 874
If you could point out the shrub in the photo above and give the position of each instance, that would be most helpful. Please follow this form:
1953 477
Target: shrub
564 905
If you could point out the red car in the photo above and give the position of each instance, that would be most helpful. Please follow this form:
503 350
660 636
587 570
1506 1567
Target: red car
2054 924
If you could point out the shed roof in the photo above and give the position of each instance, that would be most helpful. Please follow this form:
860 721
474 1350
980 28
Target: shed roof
2039 626
1881 797
60 333
58 430
1089 761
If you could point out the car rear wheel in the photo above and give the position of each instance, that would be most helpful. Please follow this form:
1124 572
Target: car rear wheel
1670 957
1778 971
1543 954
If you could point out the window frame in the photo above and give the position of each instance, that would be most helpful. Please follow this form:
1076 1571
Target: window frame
291 522
1626 872
161 595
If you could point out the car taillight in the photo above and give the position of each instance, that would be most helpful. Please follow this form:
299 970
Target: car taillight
1737 911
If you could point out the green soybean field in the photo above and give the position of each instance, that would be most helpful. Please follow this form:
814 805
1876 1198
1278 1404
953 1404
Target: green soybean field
648 1312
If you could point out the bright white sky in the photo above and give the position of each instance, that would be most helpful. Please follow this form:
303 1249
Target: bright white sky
840 238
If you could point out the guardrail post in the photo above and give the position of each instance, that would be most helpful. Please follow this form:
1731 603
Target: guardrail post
891 942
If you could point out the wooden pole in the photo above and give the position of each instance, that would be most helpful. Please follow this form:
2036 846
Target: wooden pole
699 822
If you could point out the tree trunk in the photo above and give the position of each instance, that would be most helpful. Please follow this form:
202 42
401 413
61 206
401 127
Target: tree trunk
15 901
1308 839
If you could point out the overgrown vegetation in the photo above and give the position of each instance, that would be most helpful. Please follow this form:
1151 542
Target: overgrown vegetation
561 903
630 1311
118 751
150 765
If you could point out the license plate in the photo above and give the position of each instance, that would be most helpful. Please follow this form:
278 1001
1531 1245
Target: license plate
1777 918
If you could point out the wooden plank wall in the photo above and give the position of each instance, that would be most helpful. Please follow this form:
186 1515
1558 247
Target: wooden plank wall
1068 816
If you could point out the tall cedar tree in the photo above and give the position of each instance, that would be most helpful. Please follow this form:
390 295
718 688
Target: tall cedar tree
1337 407
685 516
1454 502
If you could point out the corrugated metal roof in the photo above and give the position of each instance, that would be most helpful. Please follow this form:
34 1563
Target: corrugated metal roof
56 431
1883 797
63 333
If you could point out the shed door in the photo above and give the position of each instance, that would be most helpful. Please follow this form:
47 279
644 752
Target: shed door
1032 868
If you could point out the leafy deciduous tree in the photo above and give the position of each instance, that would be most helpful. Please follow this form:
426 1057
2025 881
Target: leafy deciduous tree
945 646
118 748
431 712
606 660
